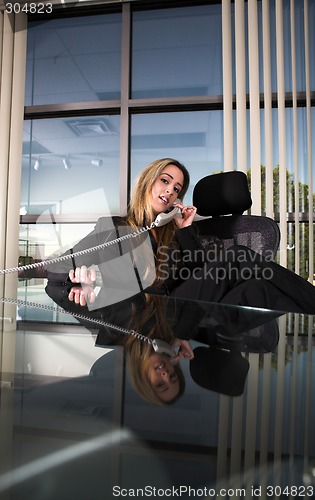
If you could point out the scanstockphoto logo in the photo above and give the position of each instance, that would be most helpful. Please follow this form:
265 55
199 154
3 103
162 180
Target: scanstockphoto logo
41 8
15 8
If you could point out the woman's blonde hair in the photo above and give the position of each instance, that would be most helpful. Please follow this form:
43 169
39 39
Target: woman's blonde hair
140 211
137 355
152 321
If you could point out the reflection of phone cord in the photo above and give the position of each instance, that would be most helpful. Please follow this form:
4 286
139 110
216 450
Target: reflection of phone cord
98 322
138 232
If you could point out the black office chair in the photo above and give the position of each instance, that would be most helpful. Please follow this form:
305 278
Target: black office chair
225 197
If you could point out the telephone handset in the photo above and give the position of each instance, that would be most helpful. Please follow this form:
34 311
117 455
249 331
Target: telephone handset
162 347
166 217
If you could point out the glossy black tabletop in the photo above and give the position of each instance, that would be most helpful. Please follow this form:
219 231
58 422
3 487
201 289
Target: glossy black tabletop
74 427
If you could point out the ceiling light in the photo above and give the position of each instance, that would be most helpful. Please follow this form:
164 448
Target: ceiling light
36 165
66 163
97 162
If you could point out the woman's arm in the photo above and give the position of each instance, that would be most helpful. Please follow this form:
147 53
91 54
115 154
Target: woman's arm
194 254
103 231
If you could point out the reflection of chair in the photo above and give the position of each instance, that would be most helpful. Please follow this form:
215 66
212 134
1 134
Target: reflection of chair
225 197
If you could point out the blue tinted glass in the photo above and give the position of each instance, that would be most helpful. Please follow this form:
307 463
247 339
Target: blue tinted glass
177 52
71 166
287 49
41 240
273 47
73 60
193 138
300 45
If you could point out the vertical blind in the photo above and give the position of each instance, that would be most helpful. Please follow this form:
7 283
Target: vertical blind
263 432
266 121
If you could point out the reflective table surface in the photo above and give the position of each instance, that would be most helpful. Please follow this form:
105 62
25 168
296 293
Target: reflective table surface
74 427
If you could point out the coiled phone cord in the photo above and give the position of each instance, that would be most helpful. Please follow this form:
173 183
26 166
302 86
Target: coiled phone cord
61 258
99 322
158 345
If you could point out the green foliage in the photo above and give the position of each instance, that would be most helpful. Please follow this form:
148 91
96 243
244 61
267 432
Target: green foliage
303 201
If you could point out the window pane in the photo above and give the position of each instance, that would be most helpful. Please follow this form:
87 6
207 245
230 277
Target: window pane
38 242
73 60
193 138
71 166
177 52
41 241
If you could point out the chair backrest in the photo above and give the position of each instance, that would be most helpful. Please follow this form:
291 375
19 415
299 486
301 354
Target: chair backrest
223 198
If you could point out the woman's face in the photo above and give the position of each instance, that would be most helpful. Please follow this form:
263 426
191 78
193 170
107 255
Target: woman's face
162 377
166 188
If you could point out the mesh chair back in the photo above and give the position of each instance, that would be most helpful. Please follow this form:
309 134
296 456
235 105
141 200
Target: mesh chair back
227 193
261 234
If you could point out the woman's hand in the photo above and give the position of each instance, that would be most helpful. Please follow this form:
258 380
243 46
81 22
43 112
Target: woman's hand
185 350
82 296
83 275
86 277
187 215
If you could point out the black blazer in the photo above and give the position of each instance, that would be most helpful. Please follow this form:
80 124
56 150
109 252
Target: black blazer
120 254
187 251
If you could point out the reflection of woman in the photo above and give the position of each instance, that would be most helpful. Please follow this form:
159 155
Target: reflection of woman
156 376
181 266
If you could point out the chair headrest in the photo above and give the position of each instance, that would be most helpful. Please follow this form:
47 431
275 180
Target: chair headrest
222 194
219 370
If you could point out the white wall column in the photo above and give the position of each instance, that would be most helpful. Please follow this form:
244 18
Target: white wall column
12 82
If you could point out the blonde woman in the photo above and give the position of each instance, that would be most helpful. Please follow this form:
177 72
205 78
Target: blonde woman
157 190
156 377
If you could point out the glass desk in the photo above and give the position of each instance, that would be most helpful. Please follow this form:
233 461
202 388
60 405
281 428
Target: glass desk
73 426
